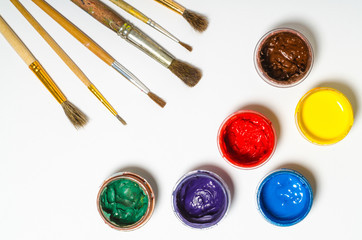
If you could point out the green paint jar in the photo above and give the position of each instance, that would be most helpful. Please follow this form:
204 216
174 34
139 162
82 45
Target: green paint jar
125 201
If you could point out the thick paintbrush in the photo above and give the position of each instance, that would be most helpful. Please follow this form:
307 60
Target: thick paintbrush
75 115
108 17
197 21
67 60
97 50
136 13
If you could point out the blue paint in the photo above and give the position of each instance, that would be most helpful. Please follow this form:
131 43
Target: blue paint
284 197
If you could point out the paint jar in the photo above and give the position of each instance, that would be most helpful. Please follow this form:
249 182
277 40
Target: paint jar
283 57
125 201
200 199
284 197
324 116
246 139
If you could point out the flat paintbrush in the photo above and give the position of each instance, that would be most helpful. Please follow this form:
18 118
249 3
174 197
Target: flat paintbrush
67 60
136 13
97 50
197 21
75 115
108 17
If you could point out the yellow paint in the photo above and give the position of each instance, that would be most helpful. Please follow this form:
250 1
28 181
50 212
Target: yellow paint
324 116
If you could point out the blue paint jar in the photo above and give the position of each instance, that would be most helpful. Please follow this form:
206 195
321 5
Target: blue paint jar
284 197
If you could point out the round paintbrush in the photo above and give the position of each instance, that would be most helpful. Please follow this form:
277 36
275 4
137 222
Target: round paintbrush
196 20
67 60
134 12
97 50
74 114
108 17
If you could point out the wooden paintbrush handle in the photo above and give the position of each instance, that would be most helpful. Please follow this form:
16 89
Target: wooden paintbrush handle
75 31
52 43
102 13
131 10
16 42
31 61
172 5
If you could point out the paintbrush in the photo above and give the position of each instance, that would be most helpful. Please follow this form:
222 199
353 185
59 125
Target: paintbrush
97 50
197 21
67 60
133 11
75 115
108 17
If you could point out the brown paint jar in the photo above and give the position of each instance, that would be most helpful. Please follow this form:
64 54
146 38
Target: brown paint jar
283 57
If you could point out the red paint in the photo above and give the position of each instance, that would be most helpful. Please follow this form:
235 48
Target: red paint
247 139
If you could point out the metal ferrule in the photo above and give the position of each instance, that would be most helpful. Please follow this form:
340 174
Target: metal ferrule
101 98
130 77
48 82
146 44
161 29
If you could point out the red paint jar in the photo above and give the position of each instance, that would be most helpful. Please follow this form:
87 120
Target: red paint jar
246 139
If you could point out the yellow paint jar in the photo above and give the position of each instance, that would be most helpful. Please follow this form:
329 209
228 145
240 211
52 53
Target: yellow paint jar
324 116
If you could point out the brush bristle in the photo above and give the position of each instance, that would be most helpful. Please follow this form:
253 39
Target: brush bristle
188 47
197 21
75 115
187 73
121 120
156 99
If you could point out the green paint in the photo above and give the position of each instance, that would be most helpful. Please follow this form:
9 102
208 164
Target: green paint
123 202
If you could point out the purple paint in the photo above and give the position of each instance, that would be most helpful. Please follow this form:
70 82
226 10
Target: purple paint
201 199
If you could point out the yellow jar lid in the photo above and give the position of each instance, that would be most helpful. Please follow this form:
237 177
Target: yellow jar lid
324 116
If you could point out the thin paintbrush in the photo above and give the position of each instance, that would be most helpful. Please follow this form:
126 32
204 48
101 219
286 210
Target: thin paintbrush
107 16
136 13
96 49
197 21
75 115
67 60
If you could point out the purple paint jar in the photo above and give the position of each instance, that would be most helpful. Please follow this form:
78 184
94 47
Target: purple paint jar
200 199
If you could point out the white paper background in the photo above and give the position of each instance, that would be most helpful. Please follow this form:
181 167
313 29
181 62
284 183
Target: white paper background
50 173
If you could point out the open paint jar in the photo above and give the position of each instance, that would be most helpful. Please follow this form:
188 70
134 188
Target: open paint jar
283 57
284 197
125 201
200 199
324 116
246 139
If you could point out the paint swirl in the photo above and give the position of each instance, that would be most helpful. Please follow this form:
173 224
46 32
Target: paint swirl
124 202
201 200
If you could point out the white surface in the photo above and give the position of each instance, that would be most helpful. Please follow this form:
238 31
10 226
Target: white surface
50 173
